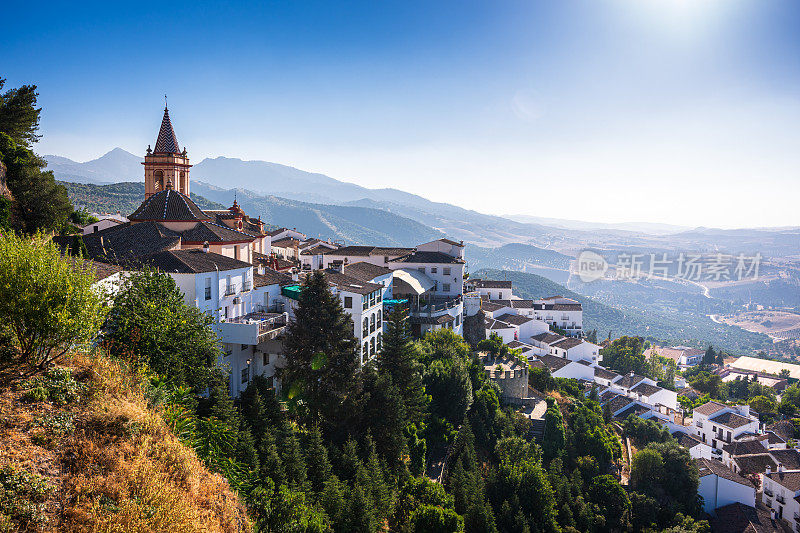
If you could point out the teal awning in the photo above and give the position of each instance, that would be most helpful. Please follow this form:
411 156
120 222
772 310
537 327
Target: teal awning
292 291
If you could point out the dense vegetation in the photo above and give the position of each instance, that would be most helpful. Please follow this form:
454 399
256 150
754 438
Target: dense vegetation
611 322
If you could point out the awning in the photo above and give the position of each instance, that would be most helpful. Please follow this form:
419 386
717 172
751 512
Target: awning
417 282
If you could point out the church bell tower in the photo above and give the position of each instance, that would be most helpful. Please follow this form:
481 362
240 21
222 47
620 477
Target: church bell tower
167 164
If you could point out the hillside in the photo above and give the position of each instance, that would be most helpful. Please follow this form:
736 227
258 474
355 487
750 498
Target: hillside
665 328
82 450
352 225
123 197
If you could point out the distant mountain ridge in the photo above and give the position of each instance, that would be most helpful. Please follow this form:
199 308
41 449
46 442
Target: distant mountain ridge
488 231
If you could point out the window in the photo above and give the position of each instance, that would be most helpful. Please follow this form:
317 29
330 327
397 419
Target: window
246 374
365 327
366 350
446 271
421 269
348 302
226 312
208 288
458 319
434 270
379 319
379 342
372 345
372 323
385 258
265 359
446 287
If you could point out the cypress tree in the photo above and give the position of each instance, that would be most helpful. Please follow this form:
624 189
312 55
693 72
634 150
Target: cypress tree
322 356
399 358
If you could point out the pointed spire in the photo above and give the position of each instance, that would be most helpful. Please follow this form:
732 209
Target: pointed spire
167 142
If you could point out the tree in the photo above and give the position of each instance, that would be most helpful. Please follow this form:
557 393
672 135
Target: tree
708 383
710 357
150 324
555 436
447 377
322 356
625 354
430 519
784 373
643 432
19 116
399 358
609 495
46 300
39 202
764 405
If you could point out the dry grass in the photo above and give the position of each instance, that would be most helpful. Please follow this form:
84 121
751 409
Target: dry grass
120 469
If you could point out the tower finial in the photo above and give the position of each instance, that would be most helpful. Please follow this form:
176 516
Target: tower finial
165 102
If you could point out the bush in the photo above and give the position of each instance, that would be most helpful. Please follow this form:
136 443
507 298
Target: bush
46 300
57 385
22 495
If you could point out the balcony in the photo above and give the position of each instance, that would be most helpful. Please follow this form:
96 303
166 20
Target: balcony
768 492
230 290
252 328
435 305
247 285
780 499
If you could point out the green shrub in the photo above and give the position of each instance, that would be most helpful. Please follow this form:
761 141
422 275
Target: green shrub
22 496
57 385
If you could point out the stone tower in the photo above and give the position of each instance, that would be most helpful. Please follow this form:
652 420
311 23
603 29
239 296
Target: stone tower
167 163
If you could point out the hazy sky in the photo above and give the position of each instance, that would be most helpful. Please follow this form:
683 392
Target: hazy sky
677 111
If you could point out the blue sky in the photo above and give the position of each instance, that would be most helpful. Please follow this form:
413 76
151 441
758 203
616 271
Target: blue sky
676 111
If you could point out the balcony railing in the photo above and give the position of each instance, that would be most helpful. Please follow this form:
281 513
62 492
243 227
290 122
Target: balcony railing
267 322
247 285
230 290
437 304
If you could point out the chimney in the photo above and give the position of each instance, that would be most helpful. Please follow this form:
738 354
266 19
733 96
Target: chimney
768 470
780 468
205 247
260 270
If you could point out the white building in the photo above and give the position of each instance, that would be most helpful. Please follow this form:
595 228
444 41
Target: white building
564 368
697 449
223 287
104 221
563 313
717 424
781 491
377 255
576 349
720 486
489 289
362 300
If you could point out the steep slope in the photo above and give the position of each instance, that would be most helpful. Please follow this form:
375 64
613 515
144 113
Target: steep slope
81 450
675 328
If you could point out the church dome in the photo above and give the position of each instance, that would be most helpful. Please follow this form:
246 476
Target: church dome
169 206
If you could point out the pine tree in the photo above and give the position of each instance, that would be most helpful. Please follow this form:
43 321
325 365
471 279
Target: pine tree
292 457
399 358
322 356
271 464
319 468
